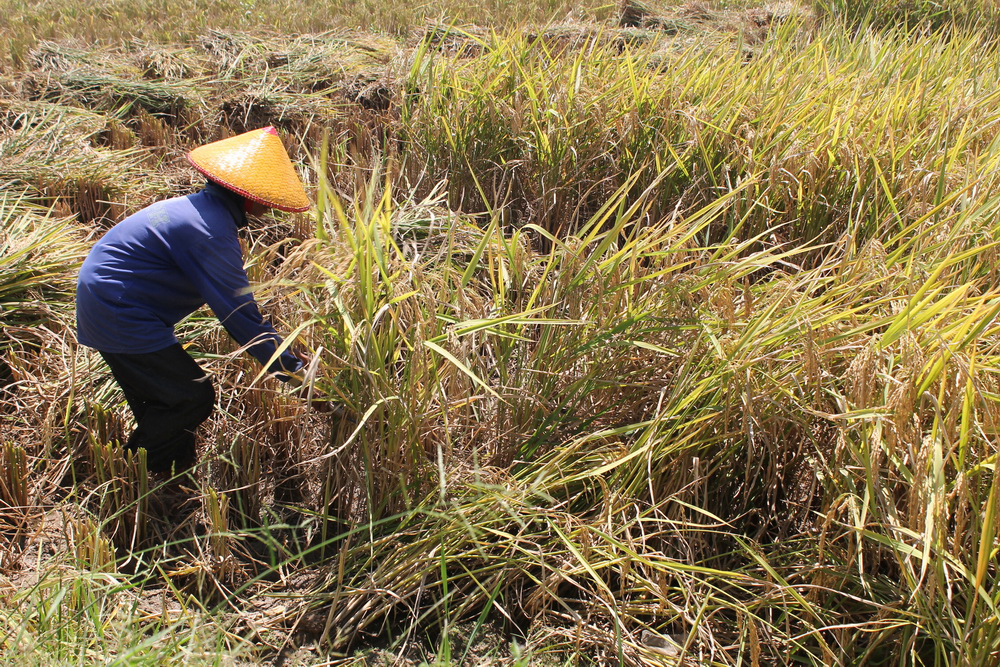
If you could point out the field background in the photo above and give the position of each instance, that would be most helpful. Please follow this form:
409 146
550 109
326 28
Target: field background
662 334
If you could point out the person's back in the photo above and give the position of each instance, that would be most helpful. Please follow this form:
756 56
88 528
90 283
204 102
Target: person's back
132 288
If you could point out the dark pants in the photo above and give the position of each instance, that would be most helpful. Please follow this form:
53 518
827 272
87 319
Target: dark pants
170 396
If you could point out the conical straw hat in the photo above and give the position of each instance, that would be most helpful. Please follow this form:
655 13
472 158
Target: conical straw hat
255 165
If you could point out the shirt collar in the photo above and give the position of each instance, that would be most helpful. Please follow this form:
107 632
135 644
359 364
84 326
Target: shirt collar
232 200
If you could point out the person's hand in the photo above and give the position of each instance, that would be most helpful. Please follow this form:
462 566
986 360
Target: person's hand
297 378
318 401
300 353
323 404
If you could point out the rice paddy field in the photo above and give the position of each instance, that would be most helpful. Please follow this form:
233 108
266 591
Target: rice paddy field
662 333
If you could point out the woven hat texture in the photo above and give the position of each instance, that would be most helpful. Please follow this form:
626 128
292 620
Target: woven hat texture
255 165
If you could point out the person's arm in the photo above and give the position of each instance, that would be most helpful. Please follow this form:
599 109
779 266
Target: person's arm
215 266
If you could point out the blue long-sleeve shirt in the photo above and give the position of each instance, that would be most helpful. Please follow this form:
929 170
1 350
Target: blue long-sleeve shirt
161 264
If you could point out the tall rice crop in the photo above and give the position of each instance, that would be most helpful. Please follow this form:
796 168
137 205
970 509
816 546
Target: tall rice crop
645 439
922 15
848 131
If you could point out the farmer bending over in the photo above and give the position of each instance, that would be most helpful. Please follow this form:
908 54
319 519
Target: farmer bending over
161 264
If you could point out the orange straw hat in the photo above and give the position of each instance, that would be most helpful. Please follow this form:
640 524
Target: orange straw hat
255 165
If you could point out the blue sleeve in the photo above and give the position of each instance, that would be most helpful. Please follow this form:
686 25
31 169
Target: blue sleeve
215 266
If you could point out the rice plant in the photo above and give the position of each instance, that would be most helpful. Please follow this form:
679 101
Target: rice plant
727 355
834 121
921 15
39 254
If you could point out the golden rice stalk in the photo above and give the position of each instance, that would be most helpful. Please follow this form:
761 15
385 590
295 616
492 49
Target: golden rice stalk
14 477
123 493
91 550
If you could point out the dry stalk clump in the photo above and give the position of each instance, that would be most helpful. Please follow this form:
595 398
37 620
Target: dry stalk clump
300 115
460 41
166 61
239 472
121 494
575 36
19 114
92 551
18 506
300 85
668 20
210 568
634 13
119 84
57 164
68 56
173 100
97 129
39 255
318 63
